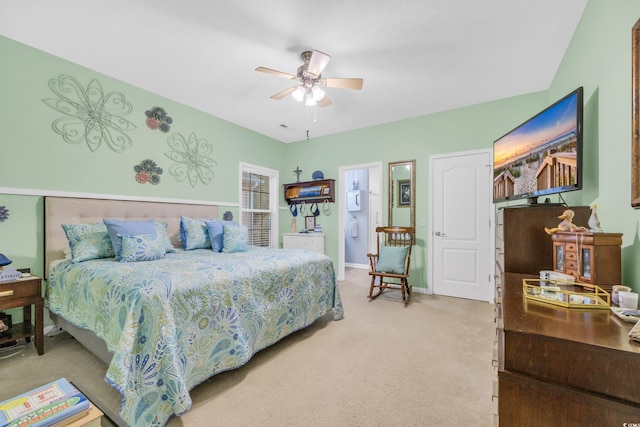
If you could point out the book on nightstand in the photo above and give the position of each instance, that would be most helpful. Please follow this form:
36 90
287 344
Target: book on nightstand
54 404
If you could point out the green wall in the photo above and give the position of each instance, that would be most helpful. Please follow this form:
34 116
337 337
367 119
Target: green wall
599 59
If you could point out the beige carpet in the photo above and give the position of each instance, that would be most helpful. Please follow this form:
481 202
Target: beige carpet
383 365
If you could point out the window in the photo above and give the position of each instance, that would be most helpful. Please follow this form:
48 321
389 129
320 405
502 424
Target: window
258 206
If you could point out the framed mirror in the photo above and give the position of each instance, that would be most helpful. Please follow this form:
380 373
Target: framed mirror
402 192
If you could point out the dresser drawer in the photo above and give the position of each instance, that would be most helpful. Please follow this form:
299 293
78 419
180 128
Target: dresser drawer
19 289
571 265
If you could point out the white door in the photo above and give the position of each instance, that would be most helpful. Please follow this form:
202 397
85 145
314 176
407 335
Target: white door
461 244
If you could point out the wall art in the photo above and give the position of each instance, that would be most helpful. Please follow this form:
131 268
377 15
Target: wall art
148 171
635 115
157 118
90 115
4 213
190 157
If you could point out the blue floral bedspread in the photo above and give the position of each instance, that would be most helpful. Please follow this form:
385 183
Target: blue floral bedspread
173 323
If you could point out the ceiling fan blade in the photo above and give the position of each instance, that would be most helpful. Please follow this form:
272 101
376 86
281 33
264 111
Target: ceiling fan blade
317 62
283 93
355 84
275 72
324 101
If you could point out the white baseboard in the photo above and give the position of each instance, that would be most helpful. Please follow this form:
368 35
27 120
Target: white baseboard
361 266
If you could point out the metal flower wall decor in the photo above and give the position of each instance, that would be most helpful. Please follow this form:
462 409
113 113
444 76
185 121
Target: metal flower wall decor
157 118
90 115
4 213
148 171
190 157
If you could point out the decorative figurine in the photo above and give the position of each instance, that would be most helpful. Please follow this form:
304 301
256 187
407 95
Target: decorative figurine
566 224
594 222
298 171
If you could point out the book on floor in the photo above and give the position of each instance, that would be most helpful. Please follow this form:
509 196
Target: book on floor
44 406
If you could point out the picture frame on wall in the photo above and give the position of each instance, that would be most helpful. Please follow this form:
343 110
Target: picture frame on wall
310 223
404 193
635 116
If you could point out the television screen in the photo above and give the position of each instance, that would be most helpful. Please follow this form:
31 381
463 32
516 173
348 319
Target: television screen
543 155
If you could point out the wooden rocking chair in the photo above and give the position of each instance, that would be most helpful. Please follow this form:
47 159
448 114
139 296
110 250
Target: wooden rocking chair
390 266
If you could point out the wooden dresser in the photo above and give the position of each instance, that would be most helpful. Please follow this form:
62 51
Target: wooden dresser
562 367
556 366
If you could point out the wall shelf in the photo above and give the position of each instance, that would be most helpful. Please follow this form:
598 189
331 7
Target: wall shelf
317 191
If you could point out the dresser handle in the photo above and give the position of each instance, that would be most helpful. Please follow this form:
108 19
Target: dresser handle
6 293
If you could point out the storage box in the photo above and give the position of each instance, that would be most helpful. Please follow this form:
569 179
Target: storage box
566 294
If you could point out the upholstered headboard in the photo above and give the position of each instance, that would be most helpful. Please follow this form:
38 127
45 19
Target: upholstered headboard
71 210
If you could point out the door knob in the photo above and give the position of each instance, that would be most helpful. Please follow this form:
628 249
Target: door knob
437 233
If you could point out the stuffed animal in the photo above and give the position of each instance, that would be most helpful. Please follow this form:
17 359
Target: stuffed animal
566 224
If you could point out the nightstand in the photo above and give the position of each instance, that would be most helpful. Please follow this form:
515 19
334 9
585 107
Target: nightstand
311 241
24 293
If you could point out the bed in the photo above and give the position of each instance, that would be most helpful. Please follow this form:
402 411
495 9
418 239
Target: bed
164 326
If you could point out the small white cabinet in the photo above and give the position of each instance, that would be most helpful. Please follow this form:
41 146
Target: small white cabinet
311 241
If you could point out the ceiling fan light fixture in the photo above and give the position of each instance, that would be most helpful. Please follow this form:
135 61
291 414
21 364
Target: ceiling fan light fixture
298 94
317 93
309 101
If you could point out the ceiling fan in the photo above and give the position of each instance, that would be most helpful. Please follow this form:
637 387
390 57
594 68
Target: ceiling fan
310 80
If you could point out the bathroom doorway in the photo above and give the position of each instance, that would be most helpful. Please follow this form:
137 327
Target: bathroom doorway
360 190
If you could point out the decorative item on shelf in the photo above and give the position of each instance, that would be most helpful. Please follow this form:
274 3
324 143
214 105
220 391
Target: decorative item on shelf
294 227
317 175
317 228
309 223
309 192
8 274
298 171
594 222
566 294
566 224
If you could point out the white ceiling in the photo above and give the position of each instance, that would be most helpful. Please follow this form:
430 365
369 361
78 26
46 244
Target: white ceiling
416 56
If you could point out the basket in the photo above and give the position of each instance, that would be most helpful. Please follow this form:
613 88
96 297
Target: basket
566 294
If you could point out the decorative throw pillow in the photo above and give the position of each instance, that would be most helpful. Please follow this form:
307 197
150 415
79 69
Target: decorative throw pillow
193 232
133 226
161 230
392 259
88 241
214 229
235 238
141 247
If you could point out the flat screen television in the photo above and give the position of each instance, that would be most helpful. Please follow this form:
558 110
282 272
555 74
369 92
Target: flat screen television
543 155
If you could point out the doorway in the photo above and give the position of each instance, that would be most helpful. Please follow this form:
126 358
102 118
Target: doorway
360 230
461 225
